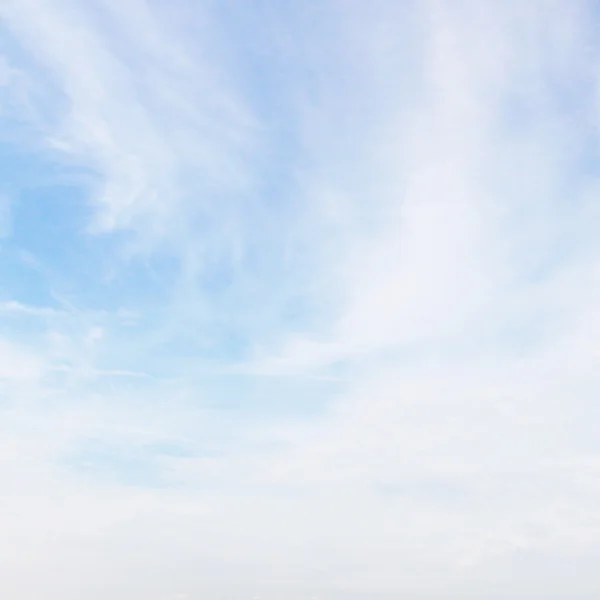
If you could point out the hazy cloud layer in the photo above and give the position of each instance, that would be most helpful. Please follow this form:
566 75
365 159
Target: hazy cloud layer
299 300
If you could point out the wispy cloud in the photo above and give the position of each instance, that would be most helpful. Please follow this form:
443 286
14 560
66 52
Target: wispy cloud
139 111
303 297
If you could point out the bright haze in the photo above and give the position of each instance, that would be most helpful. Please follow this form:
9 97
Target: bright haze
299 300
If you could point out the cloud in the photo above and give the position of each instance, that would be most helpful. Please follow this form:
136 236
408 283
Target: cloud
17 364
142 119
299 300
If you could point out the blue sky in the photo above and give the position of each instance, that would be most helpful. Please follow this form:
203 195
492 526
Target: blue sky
299 299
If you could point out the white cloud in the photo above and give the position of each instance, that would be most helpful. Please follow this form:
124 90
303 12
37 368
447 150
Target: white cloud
144 119
426 257
16 363
11 306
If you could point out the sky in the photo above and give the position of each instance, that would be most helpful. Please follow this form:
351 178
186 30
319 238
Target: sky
299 300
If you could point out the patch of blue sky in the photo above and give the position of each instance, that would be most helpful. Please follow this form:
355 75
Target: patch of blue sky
130 464
48 227
266 397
